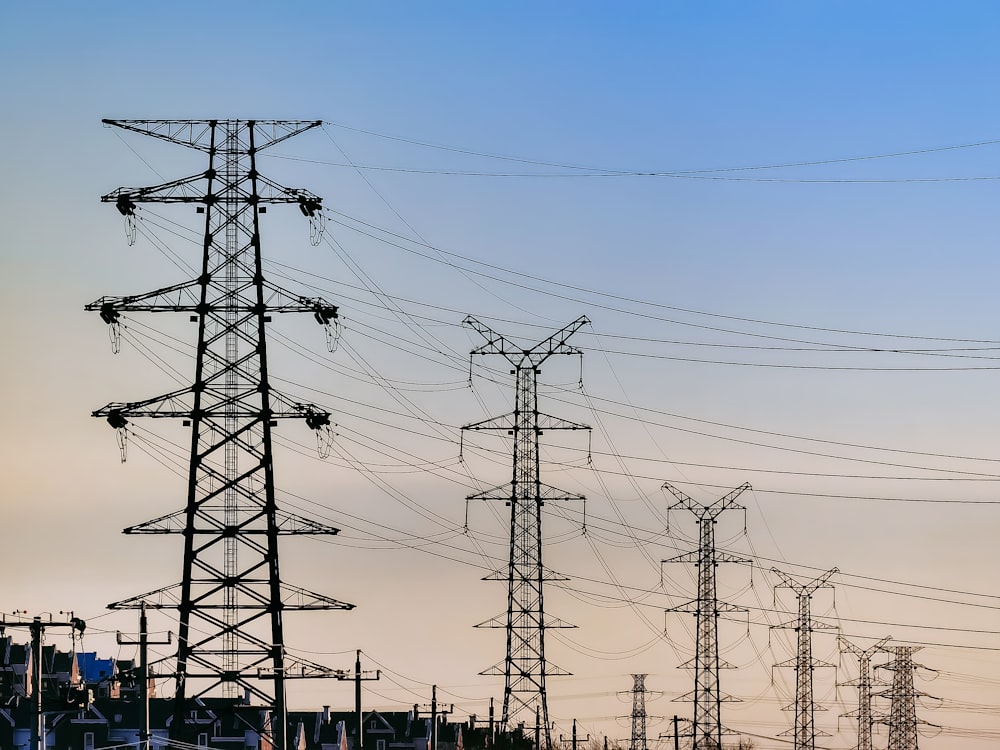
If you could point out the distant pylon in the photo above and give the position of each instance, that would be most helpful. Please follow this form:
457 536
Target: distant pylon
231 599
706 696
864 683
804 731
525 667
902 719
638 741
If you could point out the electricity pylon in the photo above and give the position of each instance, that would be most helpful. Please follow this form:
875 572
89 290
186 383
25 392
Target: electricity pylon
638 741
231 598
864 683
902 719
525 668
804 731
706 696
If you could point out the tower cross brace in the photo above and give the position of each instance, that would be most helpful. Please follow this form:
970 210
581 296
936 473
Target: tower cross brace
525 667
231 598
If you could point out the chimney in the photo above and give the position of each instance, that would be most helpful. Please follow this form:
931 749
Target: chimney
326 714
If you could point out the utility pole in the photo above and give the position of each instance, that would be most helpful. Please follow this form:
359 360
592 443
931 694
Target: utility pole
37 629
902 719
358 678
231 599
574 739
706 730
436 713
144 643
864 683
804 731
525 667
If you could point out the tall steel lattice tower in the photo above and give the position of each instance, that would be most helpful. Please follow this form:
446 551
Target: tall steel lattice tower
525 667
804 731
638 741
706 696
231 599
902 719
864 683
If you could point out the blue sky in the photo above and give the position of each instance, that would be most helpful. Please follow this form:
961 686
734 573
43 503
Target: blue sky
684 275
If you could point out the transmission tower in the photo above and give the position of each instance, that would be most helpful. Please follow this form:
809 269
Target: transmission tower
706 696
902 719
864 683
638 741
524 667
231 598
804 731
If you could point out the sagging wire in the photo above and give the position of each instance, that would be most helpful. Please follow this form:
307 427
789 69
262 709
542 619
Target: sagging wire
327 316
312 209
126 207
118 421
113 318
319 422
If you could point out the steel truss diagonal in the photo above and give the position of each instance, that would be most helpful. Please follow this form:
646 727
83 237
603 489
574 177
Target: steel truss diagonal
231 598
706 696
525 667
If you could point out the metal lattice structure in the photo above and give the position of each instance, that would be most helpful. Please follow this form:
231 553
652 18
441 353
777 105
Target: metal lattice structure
525 667
231 598
864 715
707 698
638 741
804 730
902 718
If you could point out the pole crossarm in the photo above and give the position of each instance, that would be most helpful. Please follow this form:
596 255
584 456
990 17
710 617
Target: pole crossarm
519 356
176 523
200 134
711 510
508 493
184 297
180 404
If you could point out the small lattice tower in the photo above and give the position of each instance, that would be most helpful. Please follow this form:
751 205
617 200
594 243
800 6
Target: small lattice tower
706 696
231 599
638 741
804 731
525 667
902 719
863 713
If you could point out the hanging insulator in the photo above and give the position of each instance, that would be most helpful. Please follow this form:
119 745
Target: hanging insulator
125 205
310 206
108 313
325 313
316 420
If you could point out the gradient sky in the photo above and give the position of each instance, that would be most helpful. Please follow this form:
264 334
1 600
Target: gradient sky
768 303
